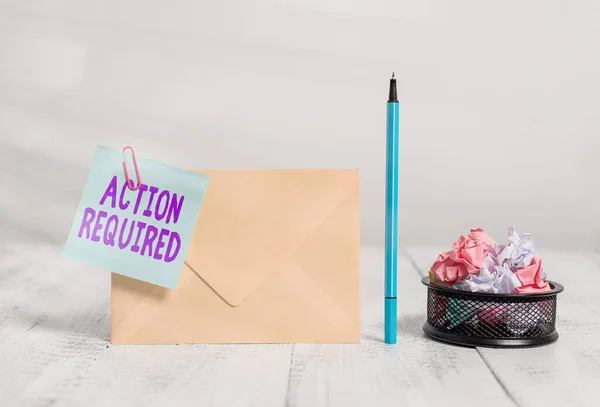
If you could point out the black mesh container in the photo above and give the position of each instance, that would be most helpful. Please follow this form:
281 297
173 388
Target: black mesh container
491 320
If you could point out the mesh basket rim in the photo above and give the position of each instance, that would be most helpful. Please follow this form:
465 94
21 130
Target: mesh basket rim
556 289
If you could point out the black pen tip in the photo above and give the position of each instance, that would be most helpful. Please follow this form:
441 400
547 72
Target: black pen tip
393 97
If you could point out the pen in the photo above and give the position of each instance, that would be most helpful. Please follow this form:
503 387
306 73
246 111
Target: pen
391 214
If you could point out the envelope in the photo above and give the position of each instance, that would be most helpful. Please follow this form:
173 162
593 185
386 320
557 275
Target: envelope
274 259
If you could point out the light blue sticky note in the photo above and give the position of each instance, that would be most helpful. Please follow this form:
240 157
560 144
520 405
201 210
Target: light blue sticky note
143 234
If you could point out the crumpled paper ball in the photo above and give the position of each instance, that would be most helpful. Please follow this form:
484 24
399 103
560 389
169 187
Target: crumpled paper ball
477 263
532 278
465 258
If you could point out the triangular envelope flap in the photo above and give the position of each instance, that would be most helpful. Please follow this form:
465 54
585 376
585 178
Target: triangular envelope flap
251 221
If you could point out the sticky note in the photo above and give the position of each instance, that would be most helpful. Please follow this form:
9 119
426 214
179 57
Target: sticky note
143 234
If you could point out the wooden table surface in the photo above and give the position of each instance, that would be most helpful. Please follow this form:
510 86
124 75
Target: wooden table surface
55 349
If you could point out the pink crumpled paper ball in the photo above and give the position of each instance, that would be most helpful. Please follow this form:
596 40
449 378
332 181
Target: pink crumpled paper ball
531 278
465 258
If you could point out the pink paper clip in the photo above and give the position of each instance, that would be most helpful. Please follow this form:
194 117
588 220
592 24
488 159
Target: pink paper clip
130 183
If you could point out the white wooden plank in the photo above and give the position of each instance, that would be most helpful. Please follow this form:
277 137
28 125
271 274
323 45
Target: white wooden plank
564 373
184 375
416 371
54 350
594 257
578 272
53 321
570 367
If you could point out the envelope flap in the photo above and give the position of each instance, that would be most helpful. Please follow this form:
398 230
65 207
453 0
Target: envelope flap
252 221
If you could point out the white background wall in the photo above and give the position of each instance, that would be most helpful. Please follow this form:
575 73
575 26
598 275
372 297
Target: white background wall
500 104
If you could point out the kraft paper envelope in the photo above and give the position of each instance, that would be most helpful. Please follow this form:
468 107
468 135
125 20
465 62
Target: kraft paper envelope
274 258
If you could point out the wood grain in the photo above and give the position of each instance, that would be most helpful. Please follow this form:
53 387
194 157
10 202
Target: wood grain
54 349
54 322
415 372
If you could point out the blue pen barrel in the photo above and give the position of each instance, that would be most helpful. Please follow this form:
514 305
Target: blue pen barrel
391 315
391 222
391 199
